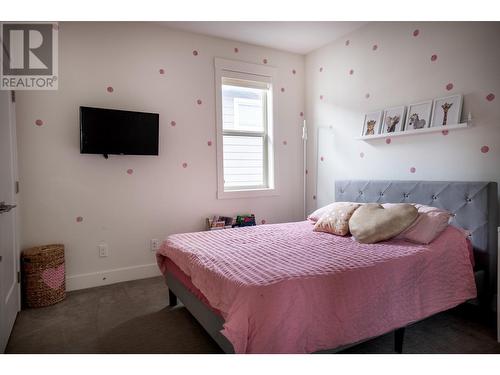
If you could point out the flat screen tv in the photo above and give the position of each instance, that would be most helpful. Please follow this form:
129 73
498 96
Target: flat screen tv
111 131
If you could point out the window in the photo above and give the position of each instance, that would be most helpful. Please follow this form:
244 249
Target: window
244 135
244 130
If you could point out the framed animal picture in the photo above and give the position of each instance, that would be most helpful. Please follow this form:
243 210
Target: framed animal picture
447 111
372 123
418 115
393 120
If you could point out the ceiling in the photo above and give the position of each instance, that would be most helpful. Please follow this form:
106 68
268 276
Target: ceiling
297 37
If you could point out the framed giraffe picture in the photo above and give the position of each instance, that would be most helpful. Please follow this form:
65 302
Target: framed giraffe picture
446 111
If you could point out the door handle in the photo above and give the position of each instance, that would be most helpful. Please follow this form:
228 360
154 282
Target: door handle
6 207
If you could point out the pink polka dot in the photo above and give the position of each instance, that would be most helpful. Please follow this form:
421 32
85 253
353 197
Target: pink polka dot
130 171
347 42
388 141
195 53
262 221
321 97
301 114
375 47
209 143
79 219
490 97
434 57
285 143
38 122
173 123
367 95
361 154
294 71
314 197
449 86
184 165
320 69
264 61
110 89
351 72
282 89
416 32
199 102
236 50
322 158
413 169
485 149
445 132
162 71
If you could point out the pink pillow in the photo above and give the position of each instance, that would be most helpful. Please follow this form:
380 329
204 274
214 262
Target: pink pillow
430 223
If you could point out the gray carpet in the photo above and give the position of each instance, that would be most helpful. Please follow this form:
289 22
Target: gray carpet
133 317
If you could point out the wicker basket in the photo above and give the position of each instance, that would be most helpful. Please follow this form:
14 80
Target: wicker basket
43 275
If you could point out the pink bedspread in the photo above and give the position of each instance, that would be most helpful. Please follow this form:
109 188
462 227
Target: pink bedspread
283 288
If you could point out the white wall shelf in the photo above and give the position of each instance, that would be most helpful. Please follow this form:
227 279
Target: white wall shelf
433 129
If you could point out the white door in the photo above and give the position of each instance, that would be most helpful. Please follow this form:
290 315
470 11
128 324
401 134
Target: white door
9 252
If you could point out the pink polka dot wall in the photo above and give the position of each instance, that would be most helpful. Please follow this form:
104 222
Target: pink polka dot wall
390 65
151 69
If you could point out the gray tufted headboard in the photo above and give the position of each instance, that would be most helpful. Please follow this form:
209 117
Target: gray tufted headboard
475 205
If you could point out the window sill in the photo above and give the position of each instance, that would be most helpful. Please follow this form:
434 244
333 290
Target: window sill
249 193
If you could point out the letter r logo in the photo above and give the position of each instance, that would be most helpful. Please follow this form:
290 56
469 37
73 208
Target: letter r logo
27 49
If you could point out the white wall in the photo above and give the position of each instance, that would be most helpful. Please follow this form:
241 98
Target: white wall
160 197
398 72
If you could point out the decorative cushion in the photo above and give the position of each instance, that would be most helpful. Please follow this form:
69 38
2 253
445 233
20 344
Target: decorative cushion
315 216
430 223
372 222
336 220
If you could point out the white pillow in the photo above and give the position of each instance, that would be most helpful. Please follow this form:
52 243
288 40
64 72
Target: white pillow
315 216
336 221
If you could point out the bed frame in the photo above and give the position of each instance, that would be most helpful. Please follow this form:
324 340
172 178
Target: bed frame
474 204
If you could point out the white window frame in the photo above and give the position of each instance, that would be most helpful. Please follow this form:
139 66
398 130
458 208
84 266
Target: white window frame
246 71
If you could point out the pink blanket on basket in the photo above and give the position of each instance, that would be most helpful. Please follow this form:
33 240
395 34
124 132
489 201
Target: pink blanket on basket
283 288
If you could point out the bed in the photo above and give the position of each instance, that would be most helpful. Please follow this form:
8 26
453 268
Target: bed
282 289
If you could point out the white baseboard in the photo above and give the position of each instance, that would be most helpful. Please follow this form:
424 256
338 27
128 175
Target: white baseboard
106 277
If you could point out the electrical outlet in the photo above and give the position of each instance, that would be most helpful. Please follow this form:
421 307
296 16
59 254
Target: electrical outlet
155 244
103 250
